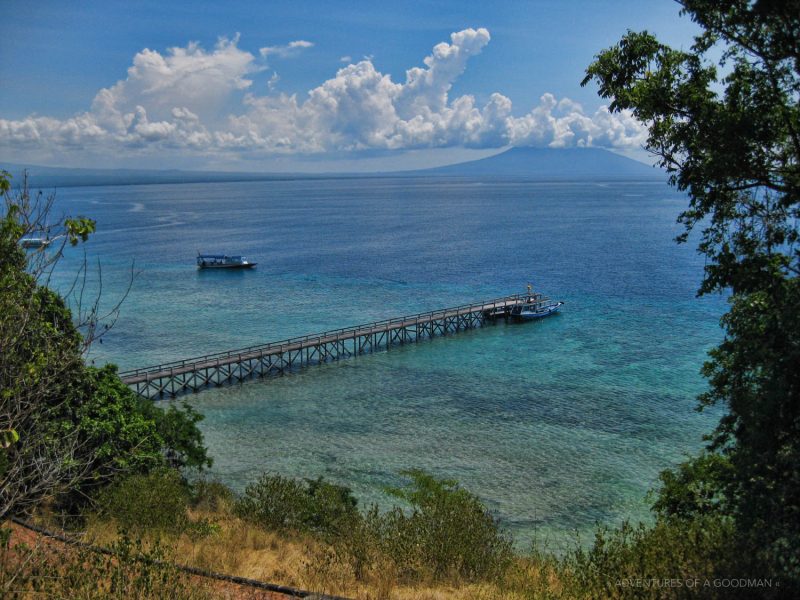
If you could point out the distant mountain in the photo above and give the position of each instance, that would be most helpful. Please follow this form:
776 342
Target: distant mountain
543 164
552 164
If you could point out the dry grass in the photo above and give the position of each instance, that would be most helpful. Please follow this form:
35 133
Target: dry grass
235 548
33 566
214 538
238 548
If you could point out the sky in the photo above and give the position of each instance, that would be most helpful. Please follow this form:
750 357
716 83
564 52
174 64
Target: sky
310 86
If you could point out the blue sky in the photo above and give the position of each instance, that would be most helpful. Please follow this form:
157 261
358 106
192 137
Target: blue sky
234 91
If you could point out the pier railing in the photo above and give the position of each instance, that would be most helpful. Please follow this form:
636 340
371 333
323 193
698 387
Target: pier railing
180 368
342 332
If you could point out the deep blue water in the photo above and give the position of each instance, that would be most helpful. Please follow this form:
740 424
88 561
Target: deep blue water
557 425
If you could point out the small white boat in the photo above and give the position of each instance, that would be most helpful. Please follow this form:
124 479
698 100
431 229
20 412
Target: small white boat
223 261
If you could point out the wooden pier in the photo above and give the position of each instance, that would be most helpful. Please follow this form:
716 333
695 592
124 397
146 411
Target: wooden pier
277 358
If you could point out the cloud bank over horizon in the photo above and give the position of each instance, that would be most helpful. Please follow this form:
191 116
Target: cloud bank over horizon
203 102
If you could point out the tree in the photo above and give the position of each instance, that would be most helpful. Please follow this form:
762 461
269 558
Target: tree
39 361
121 433
728 133
68 428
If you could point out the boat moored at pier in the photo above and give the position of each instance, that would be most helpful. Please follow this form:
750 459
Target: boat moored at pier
536 306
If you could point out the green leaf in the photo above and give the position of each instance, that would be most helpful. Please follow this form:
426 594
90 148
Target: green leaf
8 437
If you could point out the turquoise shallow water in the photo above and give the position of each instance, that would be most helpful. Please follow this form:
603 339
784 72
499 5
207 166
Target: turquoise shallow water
557 425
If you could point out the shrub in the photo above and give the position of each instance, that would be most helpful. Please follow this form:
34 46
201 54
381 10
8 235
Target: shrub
182 440
154 502
448 533
333 507
679 550
284 504
274 502
694 488
212 496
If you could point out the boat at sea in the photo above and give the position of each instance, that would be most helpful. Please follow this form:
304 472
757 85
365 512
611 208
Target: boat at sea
223 261
536 306
32 243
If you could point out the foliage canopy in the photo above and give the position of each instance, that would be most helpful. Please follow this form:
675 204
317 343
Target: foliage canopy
69 428
724 121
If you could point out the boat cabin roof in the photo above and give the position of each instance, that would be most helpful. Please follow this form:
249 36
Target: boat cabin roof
218 256
538 299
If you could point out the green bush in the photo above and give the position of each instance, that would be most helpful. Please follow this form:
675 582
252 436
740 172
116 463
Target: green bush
636 561
182 440
694 488
333 507
212 496
156 502
448 533
284 504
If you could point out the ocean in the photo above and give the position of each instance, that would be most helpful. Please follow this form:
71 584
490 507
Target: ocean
556 425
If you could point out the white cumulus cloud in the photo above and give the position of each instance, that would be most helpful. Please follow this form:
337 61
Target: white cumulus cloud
289 49
203 101
185 77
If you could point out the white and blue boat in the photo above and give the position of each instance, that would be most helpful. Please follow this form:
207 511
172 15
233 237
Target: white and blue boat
223 261
34 243
536 306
